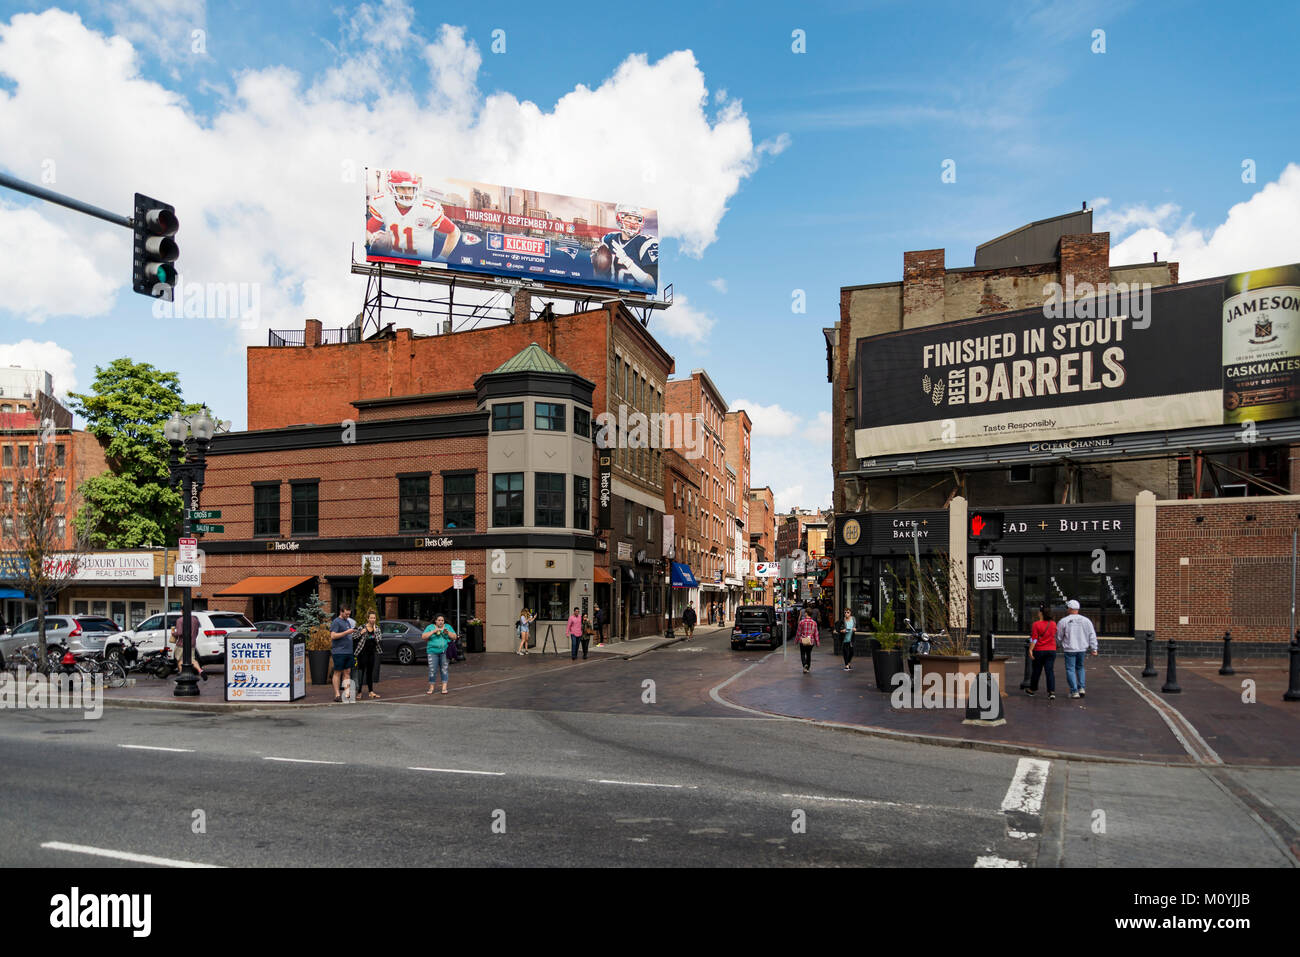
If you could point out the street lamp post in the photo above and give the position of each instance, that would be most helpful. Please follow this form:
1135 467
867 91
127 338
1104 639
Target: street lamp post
193 436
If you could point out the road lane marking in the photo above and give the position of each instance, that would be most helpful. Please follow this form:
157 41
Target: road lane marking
496 774
642 784
713 693
1182 729
992 860
299 760
122 855
152 747
874 802
1027 787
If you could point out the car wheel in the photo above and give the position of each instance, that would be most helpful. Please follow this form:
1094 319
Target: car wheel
114 653
737 645
405 655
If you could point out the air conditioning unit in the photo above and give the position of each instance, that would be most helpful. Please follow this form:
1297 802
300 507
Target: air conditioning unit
446 327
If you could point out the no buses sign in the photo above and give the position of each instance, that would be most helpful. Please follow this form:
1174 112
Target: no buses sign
988 571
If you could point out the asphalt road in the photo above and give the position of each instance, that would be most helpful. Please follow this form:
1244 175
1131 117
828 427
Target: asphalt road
609 779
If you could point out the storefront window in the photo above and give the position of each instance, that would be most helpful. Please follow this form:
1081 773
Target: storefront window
548 600
137 613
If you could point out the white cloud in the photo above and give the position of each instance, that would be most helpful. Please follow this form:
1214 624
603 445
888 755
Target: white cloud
770 421
52 266
269 187
719 284
791 454
1260 231
162 27
682 321
47 356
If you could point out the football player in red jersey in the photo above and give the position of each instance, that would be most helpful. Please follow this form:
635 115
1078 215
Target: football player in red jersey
403 223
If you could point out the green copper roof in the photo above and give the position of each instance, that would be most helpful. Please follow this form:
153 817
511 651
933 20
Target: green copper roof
533 359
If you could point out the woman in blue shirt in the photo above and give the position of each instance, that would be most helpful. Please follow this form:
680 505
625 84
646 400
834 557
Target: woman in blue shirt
847 646
436 637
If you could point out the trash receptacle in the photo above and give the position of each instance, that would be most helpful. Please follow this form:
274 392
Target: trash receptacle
474 638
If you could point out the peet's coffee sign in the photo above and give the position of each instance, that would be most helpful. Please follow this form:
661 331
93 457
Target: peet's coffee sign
437 542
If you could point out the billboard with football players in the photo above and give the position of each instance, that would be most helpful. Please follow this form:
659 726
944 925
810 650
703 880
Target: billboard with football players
507 231
1214 352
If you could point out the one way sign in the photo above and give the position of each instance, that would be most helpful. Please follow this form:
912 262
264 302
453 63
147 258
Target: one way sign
988 571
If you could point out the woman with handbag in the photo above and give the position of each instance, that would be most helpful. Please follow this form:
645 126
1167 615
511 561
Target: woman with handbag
366 652
807 636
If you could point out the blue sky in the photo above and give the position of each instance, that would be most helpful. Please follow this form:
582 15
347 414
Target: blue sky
773 170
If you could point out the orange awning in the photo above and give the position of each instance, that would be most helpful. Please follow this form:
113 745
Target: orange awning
264 585
415 585
601 576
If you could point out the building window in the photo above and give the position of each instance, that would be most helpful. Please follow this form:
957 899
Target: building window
60 458
413 503
60 527
508 499
549 601
458 501
8 456
582 503
548 505
22 456
59 492
1020 473
649 524
581 422
6 491
507 416
306 508
548 416
627 518
266 510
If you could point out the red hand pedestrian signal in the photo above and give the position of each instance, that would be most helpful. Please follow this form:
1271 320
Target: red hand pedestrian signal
986 527
977 526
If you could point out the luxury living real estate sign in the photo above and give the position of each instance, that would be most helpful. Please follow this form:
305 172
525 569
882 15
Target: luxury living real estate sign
459 224
1208 353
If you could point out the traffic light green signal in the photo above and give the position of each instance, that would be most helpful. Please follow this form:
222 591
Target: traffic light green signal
155 253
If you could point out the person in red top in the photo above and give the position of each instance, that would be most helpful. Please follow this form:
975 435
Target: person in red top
1042 649
807 636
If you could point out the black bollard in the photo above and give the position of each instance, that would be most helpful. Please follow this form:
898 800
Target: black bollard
1150 670
1227 655
1171 671
1025 684
1293 692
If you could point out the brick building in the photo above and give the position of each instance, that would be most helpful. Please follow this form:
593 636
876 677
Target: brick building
499 477
398 374
736 431
699 399
762 541
682 501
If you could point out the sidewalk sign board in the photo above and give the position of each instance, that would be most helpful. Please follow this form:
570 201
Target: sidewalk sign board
266 668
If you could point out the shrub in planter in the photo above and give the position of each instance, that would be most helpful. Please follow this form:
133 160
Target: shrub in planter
886 654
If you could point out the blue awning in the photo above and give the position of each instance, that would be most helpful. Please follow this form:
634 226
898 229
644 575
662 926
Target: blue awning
11 593
683 577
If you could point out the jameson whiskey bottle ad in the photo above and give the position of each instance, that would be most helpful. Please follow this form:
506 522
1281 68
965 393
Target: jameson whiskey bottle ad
1261 345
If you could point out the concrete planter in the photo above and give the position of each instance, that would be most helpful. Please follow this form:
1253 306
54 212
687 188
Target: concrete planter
963 668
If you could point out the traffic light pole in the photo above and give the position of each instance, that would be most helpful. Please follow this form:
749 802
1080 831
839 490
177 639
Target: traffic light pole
40 192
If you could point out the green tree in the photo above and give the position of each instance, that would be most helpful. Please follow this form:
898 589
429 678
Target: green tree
131 505
312 619
366 602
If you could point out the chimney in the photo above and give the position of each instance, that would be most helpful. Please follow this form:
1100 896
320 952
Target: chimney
311 334
523 306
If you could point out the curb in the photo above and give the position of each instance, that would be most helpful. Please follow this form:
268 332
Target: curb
218 707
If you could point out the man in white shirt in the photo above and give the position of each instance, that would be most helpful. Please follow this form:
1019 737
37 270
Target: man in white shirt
1077 638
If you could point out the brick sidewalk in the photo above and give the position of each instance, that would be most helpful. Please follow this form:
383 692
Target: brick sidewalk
1113 721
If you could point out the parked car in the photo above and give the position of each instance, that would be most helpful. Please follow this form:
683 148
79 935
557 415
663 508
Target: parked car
755 624
209 645
275 627
403 641
81 634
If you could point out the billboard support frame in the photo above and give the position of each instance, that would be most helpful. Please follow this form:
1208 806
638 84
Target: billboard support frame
373 306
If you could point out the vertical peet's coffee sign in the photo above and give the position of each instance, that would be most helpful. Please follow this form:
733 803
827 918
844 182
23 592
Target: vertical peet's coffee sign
605 492
1142 359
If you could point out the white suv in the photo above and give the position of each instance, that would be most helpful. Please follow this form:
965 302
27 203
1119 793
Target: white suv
210 642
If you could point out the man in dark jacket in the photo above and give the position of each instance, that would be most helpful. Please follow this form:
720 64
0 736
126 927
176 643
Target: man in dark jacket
689 619
600 626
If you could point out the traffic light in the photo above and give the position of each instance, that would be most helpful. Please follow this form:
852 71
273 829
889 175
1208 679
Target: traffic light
984 527
153 265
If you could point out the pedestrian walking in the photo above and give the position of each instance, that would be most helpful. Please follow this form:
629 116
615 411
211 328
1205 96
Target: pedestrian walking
1077 638
600 627
807 636
365 652
586 635
689 618
178 644
1042 651
574 630
846 642
521 626
436 638
341 649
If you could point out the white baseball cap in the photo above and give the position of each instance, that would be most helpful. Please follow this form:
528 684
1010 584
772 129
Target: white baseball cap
1072 604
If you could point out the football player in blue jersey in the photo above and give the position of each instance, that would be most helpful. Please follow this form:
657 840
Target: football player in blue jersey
635 257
